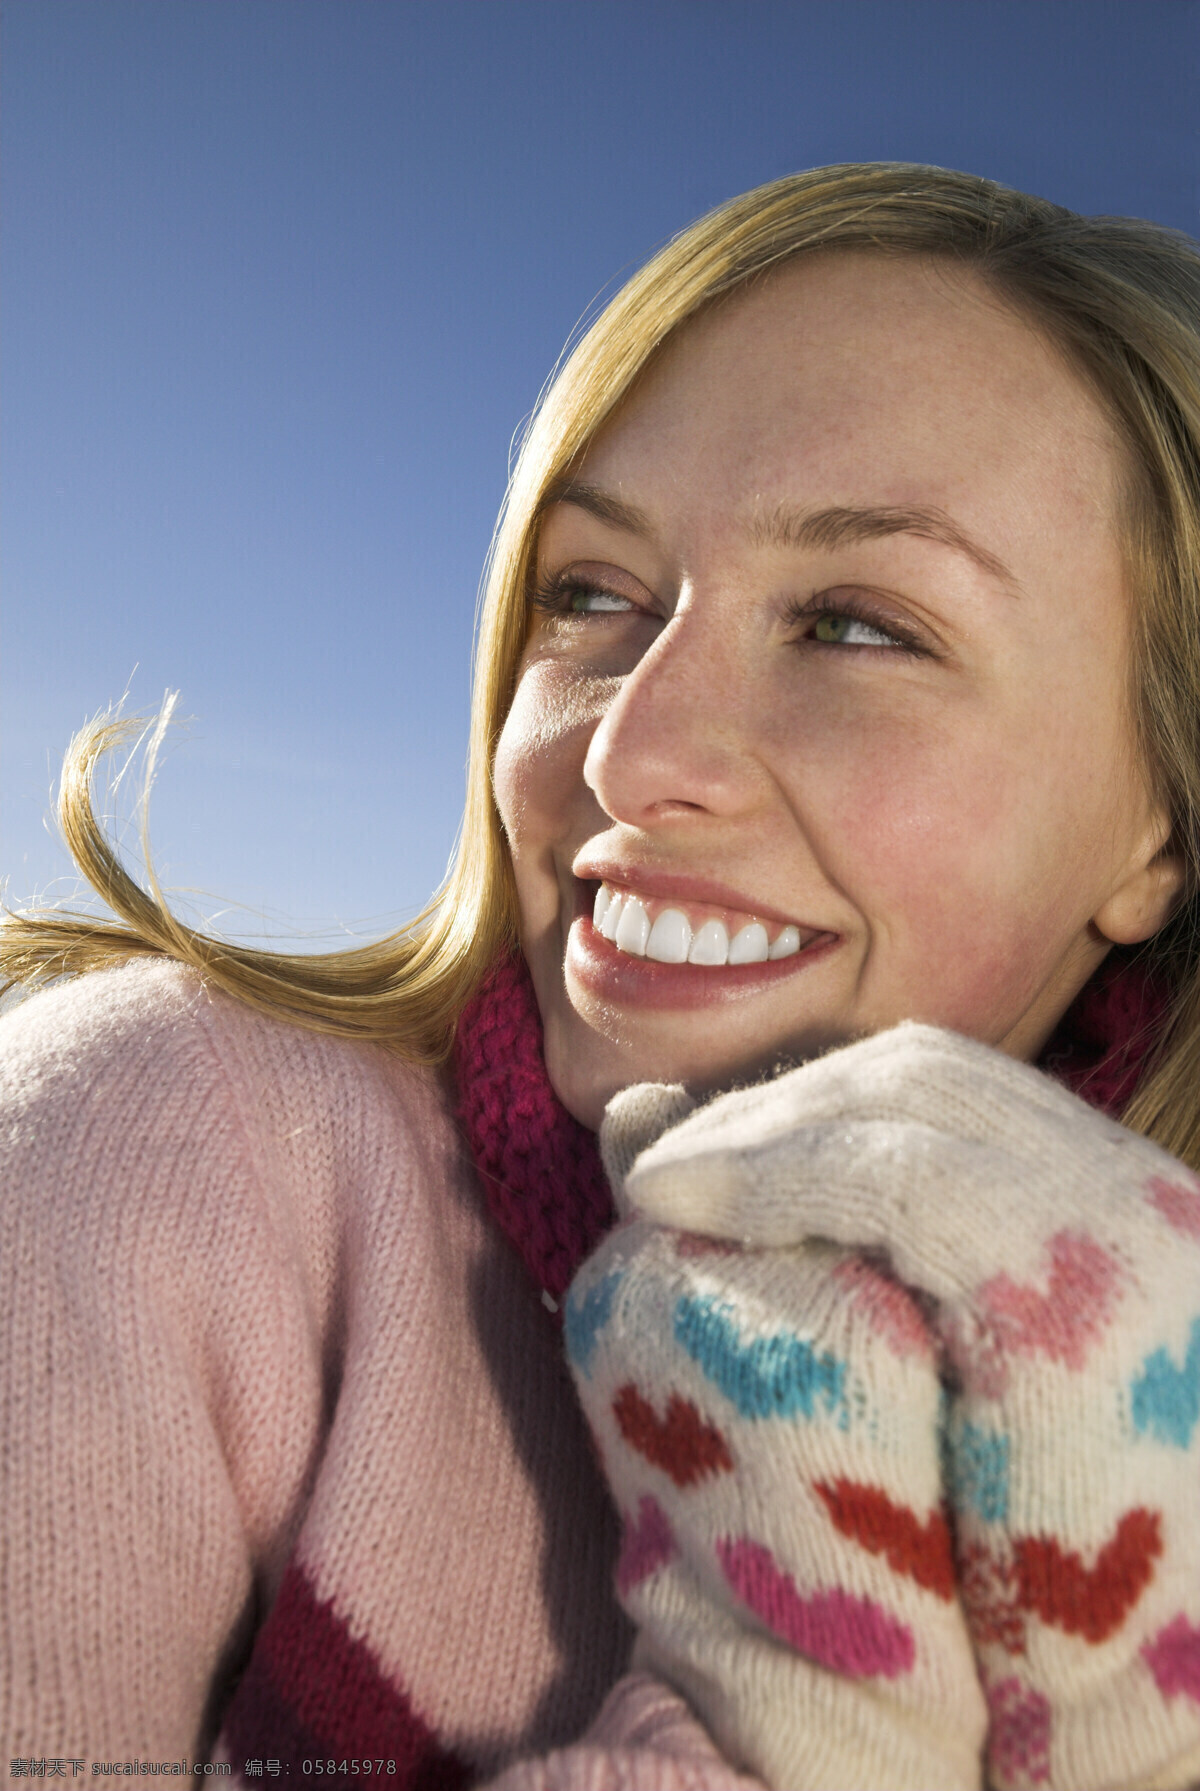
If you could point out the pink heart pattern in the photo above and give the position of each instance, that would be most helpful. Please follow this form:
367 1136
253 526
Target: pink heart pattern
1019 1737
647 1544
888 1308
1062 1323
1009 1585
1174 1659
848 1635
1178 1204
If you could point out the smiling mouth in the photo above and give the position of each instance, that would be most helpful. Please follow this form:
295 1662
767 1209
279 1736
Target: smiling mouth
671 932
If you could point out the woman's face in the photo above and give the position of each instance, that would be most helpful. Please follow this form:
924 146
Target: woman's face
832 656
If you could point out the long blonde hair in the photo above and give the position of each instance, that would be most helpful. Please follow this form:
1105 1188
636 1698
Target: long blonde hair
1119 295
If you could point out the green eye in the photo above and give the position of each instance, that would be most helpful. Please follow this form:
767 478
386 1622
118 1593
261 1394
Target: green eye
836 628
831 628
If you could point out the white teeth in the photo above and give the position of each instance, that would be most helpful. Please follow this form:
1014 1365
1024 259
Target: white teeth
711 944
749 944
612 914
624 920
633 928
670 938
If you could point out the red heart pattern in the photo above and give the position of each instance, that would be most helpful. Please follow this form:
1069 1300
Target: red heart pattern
1044 1579
920 1550
988 1584
1091 1602
680 1443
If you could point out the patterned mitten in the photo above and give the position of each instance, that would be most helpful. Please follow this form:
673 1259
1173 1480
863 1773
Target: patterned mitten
769 1424
1061 1253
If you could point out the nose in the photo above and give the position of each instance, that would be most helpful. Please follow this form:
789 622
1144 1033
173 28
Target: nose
677 737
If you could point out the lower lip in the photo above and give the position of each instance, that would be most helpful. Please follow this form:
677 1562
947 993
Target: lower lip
618 976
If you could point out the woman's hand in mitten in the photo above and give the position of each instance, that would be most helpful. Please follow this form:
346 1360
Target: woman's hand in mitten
1061 1253
769 1424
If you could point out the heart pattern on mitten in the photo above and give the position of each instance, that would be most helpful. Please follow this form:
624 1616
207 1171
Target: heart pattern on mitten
769 1422
1056 1256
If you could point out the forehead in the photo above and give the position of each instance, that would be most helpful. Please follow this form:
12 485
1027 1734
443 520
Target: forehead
868 378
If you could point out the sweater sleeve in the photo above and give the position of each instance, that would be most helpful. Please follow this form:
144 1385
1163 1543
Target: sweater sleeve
157 1397
645 1738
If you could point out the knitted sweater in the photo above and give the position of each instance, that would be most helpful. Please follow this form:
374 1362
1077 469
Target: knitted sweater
292 1467
269 1371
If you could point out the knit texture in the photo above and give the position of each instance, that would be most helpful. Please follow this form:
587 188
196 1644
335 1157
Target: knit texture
1057 1258
291 1467
540 1169
644 1739
769 1424
289 1451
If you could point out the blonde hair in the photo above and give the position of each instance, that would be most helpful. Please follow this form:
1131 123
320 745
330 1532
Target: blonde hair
1119 295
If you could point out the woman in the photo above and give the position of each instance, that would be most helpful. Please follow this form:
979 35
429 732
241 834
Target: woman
838 669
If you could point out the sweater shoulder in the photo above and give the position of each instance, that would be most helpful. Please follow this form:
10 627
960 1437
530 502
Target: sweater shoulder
101 1028
144 1062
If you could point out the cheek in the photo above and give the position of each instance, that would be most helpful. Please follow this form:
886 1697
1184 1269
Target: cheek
944 837
975 861
888 803
537 775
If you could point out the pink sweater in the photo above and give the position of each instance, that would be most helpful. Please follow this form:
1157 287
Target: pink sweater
287 1443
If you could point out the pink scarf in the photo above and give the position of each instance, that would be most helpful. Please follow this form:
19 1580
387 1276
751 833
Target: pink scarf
541 1170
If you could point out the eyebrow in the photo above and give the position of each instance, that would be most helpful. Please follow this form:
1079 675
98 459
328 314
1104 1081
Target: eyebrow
788 525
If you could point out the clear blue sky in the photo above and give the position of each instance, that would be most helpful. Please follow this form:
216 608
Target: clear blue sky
283 277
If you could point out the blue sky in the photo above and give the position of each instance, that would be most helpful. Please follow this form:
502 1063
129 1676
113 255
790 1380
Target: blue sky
282 279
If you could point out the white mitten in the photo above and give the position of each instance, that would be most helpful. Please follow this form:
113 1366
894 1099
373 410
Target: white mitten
769 1424
1061 1253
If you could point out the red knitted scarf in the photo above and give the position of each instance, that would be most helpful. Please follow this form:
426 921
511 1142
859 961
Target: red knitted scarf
541 1170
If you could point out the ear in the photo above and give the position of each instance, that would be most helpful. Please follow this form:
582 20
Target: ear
1150 891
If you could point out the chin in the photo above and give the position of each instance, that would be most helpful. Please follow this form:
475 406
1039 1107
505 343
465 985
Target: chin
587 1071
585 1078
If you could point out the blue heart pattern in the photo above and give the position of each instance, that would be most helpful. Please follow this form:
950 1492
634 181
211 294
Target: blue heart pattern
585 1318
770 1377
1166 1399
977 1465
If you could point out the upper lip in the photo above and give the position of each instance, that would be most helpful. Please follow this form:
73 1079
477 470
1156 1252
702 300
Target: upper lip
683 886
